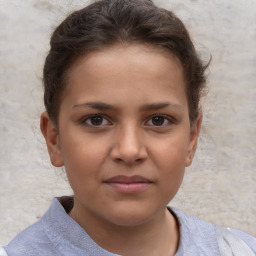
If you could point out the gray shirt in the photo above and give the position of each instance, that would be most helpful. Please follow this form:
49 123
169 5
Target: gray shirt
58 234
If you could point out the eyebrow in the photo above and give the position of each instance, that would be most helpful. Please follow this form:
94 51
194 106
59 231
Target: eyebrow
106 106
96 105
157 106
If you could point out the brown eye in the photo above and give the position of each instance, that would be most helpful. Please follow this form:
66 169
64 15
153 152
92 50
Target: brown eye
158 120
96 120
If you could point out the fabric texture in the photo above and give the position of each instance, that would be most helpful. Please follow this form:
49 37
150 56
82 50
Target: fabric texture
231 245
58 234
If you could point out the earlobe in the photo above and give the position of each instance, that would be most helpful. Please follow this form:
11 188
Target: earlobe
51 136
194 134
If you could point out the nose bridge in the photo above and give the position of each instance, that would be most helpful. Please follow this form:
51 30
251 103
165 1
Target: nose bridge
130 138
129 146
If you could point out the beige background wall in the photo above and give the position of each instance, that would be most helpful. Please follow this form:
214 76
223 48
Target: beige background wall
219 187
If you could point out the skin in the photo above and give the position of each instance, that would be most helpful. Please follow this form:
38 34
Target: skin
125 113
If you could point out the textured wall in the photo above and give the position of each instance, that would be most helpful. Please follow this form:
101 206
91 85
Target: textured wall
220 185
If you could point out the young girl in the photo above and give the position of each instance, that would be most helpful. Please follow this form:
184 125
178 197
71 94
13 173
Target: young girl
122 87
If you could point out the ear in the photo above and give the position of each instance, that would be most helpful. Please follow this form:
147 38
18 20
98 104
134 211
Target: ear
50 133
194 134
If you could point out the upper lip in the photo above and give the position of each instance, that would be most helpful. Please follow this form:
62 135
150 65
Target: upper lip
128 179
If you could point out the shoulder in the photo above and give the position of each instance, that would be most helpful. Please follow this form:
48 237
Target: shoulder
236 242
248 239
204 238
32 241
37 238
54 234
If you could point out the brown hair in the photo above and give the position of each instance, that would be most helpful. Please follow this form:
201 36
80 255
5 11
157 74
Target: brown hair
107 22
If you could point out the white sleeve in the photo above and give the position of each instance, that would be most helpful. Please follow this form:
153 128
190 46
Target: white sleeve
3 252
231 245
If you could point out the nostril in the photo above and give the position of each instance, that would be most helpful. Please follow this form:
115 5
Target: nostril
139 160
130 149
129 161
118 160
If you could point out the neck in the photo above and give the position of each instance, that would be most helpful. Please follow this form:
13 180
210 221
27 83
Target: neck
158 236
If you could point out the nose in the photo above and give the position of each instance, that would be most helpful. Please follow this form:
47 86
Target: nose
129 147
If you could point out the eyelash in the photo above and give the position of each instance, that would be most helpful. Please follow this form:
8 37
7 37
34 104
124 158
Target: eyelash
167 121
89 118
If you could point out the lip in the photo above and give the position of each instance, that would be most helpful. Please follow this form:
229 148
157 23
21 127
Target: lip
128 184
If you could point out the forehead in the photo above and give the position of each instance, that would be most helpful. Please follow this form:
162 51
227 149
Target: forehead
127 69
127 54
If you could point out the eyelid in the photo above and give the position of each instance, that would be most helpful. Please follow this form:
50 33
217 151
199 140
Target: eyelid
103 116
170 120
166 117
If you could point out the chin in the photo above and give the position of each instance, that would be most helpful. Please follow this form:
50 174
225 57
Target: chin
130 216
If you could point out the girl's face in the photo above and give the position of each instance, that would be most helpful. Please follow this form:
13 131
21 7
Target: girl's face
124 133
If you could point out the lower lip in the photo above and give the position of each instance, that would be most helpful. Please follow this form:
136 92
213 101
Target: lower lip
129 188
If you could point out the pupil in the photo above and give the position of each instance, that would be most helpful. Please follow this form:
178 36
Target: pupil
96 120
158 120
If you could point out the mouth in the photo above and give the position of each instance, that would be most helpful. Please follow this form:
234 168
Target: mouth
128 184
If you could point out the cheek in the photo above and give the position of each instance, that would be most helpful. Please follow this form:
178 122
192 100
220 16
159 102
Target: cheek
83 156
171 151
172 168
172 174
170 160
83 170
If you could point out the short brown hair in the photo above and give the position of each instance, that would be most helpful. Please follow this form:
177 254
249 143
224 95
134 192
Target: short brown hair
107 22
